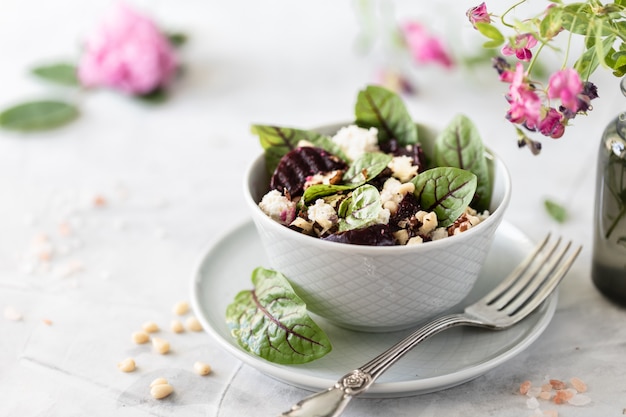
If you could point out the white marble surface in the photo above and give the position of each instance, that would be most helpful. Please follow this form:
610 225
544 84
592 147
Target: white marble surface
171 177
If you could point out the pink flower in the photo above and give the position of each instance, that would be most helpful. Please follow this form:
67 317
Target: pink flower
521 47
425 47
552 125
127 53
478 14
525 103
566 85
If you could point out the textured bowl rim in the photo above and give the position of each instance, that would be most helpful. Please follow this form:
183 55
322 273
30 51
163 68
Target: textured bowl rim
500 170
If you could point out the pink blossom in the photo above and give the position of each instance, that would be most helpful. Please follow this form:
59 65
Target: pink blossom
478 14
425 47
525 103
552 125
521 47
566 85
128 53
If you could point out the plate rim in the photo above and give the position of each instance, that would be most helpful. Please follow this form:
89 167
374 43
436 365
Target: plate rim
418 386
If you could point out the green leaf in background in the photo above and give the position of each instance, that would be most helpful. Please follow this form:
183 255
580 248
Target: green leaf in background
38 115
446 191
277 141
459 145
60 73
366 167
383 109
176 39
555 210
271 321
361 209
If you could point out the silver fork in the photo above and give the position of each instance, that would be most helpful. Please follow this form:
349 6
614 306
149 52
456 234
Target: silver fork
526 287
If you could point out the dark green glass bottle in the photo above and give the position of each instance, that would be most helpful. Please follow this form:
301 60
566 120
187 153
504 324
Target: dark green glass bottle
608 269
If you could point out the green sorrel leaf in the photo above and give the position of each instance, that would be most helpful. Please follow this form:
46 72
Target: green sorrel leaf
491 32
312 193
278 141
38 115
60 73
555 210
361 209
445 190
459 145
271 321
177 39
383 109
366 167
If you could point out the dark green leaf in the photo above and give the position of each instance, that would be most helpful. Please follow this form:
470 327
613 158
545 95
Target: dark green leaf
38 115
366 167
459 145
361 209
446 191
312 193
278 141
60 73
177 39
271 321
588 62
556 211
383 109
552 23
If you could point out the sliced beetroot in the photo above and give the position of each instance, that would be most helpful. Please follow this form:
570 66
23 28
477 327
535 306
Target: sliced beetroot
295 166
406 209
376 235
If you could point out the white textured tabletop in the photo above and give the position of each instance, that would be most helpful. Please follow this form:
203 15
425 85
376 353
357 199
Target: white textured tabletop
102 222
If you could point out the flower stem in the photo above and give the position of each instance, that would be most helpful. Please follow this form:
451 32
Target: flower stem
510 9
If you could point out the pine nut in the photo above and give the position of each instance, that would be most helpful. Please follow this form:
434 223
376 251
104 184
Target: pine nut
180 308
140 337
202 368
150 327
162 346
161 391
193 324
158 381
127 365
177 326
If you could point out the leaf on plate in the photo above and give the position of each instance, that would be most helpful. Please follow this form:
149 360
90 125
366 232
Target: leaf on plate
555 210
366 167
272 322
445 190
59 73
38 115
459 145
383 109
277 141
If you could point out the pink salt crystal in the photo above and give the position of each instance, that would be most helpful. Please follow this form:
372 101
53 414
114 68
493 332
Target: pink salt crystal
99 201
578 384
524 387
579 400
65 229
557 384
534 392
545 395
546 387
562 396
532 403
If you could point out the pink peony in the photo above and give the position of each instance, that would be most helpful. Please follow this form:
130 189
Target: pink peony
566 85
127 53
425 47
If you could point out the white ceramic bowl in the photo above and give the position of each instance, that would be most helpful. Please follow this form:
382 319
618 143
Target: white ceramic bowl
382 288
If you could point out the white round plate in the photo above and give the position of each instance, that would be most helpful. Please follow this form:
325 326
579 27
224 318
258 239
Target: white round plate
450 358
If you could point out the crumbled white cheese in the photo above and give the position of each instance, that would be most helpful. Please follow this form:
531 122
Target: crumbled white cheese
428 220
402 168
354 141
332 177
439 233
323 214
278 207
415 240
394 191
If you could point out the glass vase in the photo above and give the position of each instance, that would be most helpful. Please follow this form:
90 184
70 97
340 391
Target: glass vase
608 270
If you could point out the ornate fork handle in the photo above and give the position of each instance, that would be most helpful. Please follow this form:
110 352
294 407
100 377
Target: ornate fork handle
331 403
